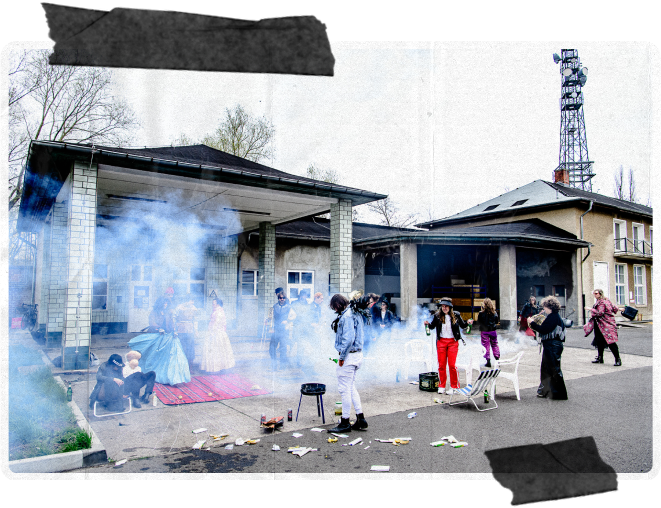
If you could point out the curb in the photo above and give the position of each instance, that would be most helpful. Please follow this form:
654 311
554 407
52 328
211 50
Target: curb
59 462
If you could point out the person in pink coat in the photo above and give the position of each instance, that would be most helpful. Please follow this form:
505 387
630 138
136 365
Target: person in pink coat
602 321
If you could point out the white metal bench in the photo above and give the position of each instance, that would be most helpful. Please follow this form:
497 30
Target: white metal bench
477 390
113 414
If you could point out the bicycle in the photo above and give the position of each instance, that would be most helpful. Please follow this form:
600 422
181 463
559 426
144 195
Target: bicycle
29 321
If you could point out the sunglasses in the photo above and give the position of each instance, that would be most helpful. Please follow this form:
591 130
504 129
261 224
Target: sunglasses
281 298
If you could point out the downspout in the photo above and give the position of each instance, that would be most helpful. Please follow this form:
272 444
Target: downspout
586 256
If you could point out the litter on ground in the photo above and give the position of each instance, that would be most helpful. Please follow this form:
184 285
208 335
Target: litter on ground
394 440
437 443
339 435
197 431
380 468
438 401
120 462
317 430
332 440
412 415
366 447
414 382
229 447
252 441
297 434
218 438
275 448
354 442
239 442
199 444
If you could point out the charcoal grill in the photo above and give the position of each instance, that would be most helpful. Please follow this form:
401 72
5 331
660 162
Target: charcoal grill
317 390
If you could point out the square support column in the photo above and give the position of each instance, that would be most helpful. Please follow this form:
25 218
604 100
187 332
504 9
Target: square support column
81 232
266 284
57 273
507 285
408 279
42 275
340 247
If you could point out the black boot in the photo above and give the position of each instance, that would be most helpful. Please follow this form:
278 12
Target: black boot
145 397
598 359
135 401
344 426
618 363
361 423
488 363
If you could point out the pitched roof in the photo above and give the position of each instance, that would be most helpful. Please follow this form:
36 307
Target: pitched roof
525 231
534 195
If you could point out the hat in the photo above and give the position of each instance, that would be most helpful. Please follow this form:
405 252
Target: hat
279 290
116 359
444 302
169 291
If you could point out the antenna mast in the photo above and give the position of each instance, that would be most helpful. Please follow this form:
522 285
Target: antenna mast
574 168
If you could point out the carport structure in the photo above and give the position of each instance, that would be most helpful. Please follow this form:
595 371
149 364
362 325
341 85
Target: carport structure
100 212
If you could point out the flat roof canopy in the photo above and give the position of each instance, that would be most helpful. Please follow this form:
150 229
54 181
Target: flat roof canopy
192 184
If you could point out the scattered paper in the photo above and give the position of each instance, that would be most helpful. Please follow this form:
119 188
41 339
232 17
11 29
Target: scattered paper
303 451
297 434
366 447
354 442
239 442
197 431
317 430
275 448
380 468
450 439
412 415
120 462
339 435
199 444
229 447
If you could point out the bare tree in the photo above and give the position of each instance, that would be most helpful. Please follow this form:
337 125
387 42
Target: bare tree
389 214
618 183
243 135
632 187
324 175
183 140
60 103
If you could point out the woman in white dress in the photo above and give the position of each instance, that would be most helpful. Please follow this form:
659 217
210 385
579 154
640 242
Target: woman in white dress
217 354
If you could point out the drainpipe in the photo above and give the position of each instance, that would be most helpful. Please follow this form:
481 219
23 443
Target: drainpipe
586 256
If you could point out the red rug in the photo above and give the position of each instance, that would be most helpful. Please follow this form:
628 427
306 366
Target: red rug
208 389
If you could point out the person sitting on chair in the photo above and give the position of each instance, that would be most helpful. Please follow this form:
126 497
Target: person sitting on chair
135 379
109 382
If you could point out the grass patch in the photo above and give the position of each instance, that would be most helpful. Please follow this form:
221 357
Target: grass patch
40 421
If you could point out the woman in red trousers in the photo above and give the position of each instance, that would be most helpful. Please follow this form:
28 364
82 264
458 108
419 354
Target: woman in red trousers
447 323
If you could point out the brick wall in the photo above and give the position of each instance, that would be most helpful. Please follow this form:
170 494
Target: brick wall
220 272
340 247
266 287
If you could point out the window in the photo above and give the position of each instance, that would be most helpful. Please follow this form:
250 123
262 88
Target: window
620 235
639 284
490 207
249 286
620 284
651 249
298 281
189 285
139 272
638 237
100 287
519 203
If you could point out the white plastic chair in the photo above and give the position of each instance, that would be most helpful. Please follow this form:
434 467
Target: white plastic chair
417 350
470 359
510 376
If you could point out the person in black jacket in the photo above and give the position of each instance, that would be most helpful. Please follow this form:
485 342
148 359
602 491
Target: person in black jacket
382 320
109 384
529 309
552 334
447 323
487 320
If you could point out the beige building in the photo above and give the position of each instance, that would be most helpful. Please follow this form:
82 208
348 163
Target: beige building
619 259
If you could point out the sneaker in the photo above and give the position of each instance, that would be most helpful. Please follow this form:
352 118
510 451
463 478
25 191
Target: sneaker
450 391
441 390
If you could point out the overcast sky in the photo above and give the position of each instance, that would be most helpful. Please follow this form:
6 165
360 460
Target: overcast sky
469 120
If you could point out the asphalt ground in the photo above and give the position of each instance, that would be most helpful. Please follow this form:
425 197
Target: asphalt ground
633 341
595 408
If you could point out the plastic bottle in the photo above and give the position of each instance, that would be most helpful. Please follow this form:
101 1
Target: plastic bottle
335 360
69 393
427 331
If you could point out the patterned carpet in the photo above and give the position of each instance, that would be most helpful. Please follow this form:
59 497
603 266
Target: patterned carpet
208 388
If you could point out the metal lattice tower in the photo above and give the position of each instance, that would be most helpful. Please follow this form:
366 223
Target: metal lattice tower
575 167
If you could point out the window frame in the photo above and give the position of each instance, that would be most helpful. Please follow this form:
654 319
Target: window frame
255 284
624 284
300 285
643 286
623 227
97 279
189 282
638 243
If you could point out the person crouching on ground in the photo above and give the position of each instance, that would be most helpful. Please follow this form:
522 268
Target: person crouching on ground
349 344
447 323
135 379
602 321
552 335
109 382
487 319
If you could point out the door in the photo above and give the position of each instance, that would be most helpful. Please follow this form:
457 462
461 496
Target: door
141 297
560 293
600 278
